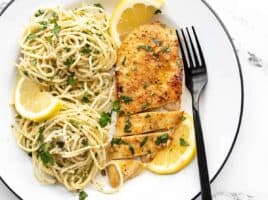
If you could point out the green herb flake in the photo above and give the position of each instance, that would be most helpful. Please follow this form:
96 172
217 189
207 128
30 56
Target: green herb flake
117 141
145 85
39 13
33 62
131 149
165 50
82 195
46 157
126 99
43 24
41 136
128 125
98 5
116 106
86 98
143 142
105 119
56 30
145 106
71 80
145 47
147 116
74 123
157 12
156 42
124 61
161 139
49 39
86 49
183 118
183 142
26 73
85 142
30 37
69 61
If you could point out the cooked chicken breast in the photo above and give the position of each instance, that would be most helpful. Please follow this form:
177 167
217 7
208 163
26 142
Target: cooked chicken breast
147 122
139 145
129 169
148 69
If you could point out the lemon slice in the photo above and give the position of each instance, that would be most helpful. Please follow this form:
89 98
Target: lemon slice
180 153
130 14
33 104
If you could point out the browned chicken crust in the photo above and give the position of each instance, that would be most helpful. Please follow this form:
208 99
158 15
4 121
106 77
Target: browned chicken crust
147 122
148 69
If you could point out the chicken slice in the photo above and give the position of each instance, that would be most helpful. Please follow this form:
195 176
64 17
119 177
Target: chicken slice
148 69
147 122
129 169
139 145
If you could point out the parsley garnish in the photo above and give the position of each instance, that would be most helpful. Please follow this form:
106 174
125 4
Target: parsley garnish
56 29
183 118
183 142
39 13
82 195
157 42
145 47
143 142
157 12
26 73
71 80
165 49
127 126
124 61
46 157
49 39
161 139
33 62
41 136
86 49
85 98
31 36
126 99
98 5
105 119
117 141
85 142
116 106
131 149
73 122
145 85
69 61
145 106
43 24
147 116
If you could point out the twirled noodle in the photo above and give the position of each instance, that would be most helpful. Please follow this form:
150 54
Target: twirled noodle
71 55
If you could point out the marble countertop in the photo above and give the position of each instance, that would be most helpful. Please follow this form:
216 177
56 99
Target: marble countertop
245 176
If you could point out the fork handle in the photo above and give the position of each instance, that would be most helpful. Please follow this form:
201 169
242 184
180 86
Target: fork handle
201 157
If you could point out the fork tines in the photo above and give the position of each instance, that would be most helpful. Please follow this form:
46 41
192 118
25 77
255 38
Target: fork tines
191 51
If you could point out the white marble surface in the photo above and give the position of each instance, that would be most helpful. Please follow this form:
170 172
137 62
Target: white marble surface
245 175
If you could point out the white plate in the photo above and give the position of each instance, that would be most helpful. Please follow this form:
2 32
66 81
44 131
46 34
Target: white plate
221 106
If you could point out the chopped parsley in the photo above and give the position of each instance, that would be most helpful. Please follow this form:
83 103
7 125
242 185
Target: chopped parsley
116 106
157 42
46 157
145 106
105 119
49 39
127 127
124 61
117 141
85 142
56 29
86 49
183 142
73 122
82 195
85 98
161 139
165 49
41 136
157 12
43 24
147 116
33 62
39 13
126 99
143 142
183 118
69 61
131 149
145 85
71 80
145 47
31 36
26 73
98 5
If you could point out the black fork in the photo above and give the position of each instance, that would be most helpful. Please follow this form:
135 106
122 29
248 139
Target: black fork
196 79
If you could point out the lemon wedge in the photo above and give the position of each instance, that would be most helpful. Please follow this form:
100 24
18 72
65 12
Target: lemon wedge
180 153
130 14
32 103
